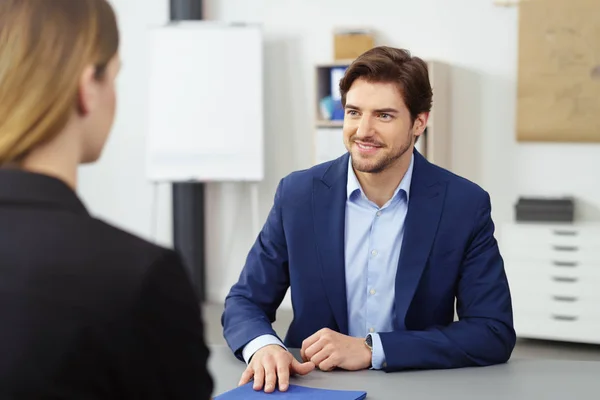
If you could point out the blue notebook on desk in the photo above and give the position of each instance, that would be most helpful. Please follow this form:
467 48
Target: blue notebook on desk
294 392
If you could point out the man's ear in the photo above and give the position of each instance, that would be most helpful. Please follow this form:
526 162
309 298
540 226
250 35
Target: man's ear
87 92
420 124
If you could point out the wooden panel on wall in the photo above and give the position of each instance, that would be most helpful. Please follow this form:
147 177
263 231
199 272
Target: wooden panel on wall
559 71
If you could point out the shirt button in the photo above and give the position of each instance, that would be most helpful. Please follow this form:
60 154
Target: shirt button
374 253
372 292
378 213
371 330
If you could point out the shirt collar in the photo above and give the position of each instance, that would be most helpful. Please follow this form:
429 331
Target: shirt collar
353 185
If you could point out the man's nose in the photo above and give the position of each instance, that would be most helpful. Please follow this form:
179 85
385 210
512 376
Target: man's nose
365 127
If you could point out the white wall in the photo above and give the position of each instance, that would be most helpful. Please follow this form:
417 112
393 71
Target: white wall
478 39
115 188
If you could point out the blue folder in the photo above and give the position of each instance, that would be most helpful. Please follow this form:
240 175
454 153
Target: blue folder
246 392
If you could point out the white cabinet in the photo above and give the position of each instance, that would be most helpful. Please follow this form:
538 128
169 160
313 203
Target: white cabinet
554 277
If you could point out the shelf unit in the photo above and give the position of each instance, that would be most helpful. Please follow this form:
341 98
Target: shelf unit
321 123
435 144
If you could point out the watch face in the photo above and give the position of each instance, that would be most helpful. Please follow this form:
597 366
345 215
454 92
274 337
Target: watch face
369 341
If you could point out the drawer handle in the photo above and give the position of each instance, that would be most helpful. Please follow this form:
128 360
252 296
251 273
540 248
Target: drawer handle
565 248
564 317
565 263
565 233
564 279
567 299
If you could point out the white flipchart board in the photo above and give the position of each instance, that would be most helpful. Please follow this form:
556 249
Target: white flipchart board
205 117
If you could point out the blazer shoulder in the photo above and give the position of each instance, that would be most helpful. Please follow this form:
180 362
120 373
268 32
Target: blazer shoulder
308 174
299 183
460 188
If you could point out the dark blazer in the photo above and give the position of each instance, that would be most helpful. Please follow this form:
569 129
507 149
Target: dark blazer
449 252
88 311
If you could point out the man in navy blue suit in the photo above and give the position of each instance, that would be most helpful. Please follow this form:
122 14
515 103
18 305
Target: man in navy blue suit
376 247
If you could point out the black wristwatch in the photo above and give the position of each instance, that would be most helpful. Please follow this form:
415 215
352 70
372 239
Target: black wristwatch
369 342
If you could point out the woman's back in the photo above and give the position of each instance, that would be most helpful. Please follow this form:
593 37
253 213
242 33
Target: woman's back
87 311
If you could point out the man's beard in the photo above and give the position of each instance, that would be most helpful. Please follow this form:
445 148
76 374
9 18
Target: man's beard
379 165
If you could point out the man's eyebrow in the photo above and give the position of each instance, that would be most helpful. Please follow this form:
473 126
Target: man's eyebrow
387 110
379 111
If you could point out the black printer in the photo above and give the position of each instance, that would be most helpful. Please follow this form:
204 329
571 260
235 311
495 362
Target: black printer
545 209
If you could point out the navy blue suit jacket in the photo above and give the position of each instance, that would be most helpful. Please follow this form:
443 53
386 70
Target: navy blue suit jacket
449 252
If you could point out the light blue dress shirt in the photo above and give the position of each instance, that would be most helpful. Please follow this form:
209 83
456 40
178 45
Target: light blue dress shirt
373 240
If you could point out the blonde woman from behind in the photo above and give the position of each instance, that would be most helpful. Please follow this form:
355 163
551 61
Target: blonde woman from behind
87 311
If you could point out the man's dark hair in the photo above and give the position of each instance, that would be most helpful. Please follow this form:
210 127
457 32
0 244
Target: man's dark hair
385 64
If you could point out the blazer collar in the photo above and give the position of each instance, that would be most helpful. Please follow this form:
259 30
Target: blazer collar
428 190
23 188
329 209
337 173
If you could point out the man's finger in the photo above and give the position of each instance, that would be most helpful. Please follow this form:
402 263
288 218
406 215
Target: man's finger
321 356
309 341
328 364
313 349
283 374
270 376
259 377
246 376
302 369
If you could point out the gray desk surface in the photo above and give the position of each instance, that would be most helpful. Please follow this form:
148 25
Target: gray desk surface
518 379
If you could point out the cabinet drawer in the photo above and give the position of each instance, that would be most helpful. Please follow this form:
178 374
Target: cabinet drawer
533 270
553 253
533 234
549 285
553 327
559 306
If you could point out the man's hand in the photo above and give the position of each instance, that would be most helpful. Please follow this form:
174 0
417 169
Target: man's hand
271 364
328 349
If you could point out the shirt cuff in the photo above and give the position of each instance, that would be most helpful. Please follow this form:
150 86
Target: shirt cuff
256 344
378 357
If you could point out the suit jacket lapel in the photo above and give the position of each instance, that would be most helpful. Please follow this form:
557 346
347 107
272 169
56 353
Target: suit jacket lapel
329 209
426 201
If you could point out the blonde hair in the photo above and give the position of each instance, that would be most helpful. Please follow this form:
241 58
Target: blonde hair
44 47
